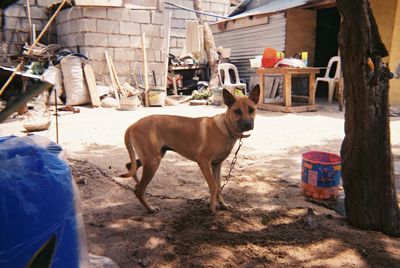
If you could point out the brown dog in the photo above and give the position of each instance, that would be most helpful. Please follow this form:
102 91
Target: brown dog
205 140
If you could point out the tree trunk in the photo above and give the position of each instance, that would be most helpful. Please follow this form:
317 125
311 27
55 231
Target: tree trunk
209 44
367 161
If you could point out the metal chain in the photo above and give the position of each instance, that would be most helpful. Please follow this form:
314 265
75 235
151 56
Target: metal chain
227 177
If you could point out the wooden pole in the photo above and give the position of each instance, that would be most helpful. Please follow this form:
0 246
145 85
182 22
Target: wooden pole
145 71
18 68
28 7
167 50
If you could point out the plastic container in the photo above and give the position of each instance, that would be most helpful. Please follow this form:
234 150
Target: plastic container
320 174
269 58
129 103
157 96
217 98
39 202
255 63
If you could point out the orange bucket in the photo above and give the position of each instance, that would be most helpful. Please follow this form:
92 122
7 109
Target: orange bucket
269 58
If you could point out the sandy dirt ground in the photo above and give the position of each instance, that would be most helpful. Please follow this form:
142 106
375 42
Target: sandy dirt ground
272 224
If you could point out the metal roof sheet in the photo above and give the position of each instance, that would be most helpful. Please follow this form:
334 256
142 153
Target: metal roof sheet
255 7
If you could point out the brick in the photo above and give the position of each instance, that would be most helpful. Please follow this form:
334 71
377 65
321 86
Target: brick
123 54
119 14
178 33
130 28
122 67
151 30
177 23
107 26
159 68
94 53
157 43
181 14
157 18
88 25
217 7
15 11
118 40
69 14
141 16
135 41
96 39
138 56
12 23
38 13
45 3
100 68
94 12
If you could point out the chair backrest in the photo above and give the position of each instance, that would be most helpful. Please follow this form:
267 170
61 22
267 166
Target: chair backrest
338 68
225 70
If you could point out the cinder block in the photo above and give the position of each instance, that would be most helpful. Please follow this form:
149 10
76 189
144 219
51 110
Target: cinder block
107 26
94 53
181 14
130 28
176 51
45 3
140 16
123 54
136 41
122 67
119 14
157 43
100 68
94 12
157 18
118 40
69 14
217 7
151 30
96 39
12 23
38 13
177 23
138 56
88 25
15 11
178 32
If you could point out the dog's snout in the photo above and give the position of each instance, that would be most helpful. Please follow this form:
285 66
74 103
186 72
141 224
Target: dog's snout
246 125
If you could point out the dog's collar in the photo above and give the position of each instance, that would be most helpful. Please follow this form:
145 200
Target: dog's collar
235 134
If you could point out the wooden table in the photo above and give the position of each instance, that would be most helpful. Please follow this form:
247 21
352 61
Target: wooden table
287 105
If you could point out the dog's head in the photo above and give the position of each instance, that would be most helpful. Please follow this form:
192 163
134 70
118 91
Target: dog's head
241 110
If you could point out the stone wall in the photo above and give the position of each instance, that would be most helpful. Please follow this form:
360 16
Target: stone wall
15 30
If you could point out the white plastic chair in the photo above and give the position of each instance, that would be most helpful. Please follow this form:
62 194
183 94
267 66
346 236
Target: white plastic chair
332 81
225 70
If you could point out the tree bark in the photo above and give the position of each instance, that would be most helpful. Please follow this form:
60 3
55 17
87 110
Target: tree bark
209 44
367 161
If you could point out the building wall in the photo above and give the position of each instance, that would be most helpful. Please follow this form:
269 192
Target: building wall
387 15
15 30
301 33
92 30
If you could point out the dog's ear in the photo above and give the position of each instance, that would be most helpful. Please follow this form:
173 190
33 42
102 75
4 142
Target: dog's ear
255 95
229 99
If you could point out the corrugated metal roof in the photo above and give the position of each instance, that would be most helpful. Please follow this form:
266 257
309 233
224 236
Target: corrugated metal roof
255 7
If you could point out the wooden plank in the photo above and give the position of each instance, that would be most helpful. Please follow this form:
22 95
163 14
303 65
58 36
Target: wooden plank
262 95
112 77
311 89
281 108
145 70
167 52
193 42
140 4
287 90
91 83
107 3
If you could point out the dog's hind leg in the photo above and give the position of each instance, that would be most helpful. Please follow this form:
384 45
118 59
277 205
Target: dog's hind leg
216 169
149 169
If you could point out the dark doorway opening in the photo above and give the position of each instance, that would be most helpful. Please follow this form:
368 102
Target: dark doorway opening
326 42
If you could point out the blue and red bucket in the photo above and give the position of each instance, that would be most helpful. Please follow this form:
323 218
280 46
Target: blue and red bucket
320 174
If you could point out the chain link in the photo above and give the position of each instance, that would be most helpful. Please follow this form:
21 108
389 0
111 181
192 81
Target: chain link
227 177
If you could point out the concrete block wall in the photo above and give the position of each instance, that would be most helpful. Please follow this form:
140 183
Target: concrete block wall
15 30
179 18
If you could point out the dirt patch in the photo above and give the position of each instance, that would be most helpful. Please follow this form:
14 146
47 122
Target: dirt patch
272 227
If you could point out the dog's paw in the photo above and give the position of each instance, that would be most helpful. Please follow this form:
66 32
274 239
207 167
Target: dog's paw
153 209
226 206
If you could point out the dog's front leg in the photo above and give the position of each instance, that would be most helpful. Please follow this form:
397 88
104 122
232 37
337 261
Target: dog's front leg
216 169
205 167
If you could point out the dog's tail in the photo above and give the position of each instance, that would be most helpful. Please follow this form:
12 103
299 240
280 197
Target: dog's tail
134 164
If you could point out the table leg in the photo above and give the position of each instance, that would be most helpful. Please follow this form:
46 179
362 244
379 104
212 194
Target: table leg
311 89
261 83
287 90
